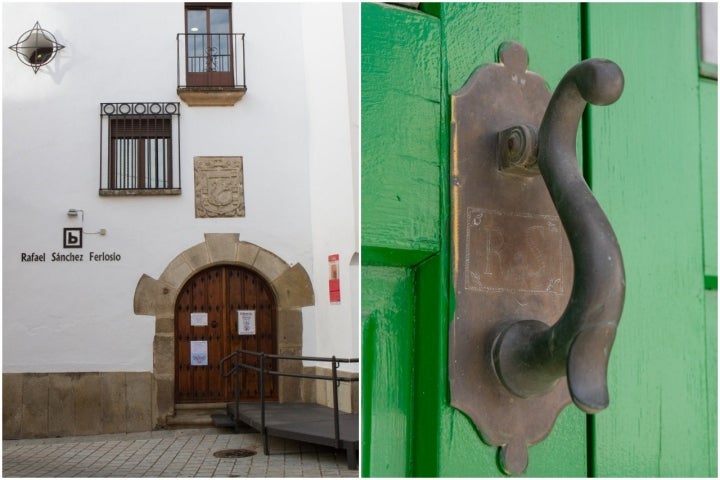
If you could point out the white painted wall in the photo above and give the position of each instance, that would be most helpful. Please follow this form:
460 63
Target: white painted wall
331 176
293 129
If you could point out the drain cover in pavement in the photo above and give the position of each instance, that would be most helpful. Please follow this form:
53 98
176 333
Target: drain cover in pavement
235 453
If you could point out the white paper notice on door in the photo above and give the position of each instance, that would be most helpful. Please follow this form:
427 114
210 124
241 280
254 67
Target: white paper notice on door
246 322
199 319
198 352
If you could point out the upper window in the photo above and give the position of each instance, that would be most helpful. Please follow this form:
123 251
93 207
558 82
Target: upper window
210 57
209 45
140 148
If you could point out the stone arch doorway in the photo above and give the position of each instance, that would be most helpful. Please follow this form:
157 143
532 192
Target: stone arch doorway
290 285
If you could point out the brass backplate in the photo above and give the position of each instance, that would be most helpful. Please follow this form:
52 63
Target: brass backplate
511 257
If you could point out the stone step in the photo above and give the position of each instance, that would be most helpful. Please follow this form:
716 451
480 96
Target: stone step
199 407
222 420
194 414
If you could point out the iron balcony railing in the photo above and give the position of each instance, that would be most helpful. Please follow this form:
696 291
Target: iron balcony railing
213 61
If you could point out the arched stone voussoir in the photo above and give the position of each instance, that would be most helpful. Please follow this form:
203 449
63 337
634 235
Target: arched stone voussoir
270 265
222 247
197 256
177 271
294 288
152 297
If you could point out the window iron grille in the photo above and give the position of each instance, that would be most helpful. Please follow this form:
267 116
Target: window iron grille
139 148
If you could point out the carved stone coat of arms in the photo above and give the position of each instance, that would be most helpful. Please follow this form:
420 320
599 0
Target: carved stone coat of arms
219 190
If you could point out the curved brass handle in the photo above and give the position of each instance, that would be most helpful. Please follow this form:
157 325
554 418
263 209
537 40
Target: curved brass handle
530 357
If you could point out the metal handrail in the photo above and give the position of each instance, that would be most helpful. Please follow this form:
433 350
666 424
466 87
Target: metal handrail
238 366
285 374
226 358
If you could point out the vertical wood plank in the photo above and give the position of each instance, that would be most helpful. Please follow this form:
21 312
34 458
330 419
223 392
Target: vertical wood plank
400 97
711 344
708 149
472 33
708 146
400 221
403 127
202 302
645 160
245 290
183 308
387 371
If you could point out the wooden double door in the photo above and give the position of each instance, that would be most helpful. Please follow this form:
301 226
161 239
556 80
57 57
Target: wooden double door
219 310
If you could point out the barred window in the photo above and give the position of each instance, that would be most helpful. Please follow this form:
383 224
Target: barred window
139 152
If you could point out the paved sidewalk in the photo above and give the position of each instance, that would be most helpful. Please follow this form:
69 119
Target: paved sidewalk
169 453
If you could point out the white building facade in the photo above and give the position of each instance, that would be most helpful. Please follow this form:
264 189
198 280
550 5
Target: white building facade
153 169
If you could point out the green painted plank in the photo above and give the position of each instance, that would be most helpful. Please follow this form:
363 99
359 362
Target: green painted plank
400 95
562 454
431 370
472 33
386 371
400 210
391 257
711 343
645 157
708 149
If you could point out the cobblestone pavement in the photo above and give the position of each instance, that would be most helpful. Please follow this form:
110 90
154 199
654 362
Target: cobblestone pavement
169 453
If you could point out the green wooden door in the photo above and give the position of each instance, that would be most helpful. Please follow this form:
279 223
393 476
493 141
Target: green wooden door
651 160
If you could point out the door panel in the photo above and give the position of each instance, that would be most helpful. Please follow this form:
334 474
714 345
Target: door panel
247 291
409 59
401 226
474 31
197 381
220 292
651 163
472 34
646 174
708 144
387 330
209 47
401 101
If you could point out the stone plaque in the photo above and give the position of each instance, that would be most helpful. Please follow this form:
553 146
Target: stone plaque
219 189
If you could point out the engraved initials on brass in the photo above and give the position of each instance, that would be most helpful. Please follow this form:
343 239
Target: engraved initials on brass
517 252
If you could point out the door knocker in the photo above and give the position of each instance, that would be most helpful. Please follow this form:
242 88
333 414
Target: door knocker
537 270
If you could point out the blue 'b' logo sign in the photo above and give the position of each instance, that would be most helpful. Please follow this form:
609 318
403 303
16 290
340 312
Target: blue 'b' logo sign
72 237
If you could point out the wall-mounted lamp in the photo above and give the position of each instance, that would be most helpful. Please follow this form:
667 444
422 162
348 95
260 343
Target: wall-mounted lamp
73 212
36 47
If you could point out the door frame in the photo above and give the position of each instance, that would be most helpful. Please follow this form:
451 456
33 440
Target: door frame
290 284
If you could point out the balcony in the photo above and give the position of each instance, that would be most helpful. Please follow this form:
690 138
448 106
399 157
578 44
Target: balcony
211 68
